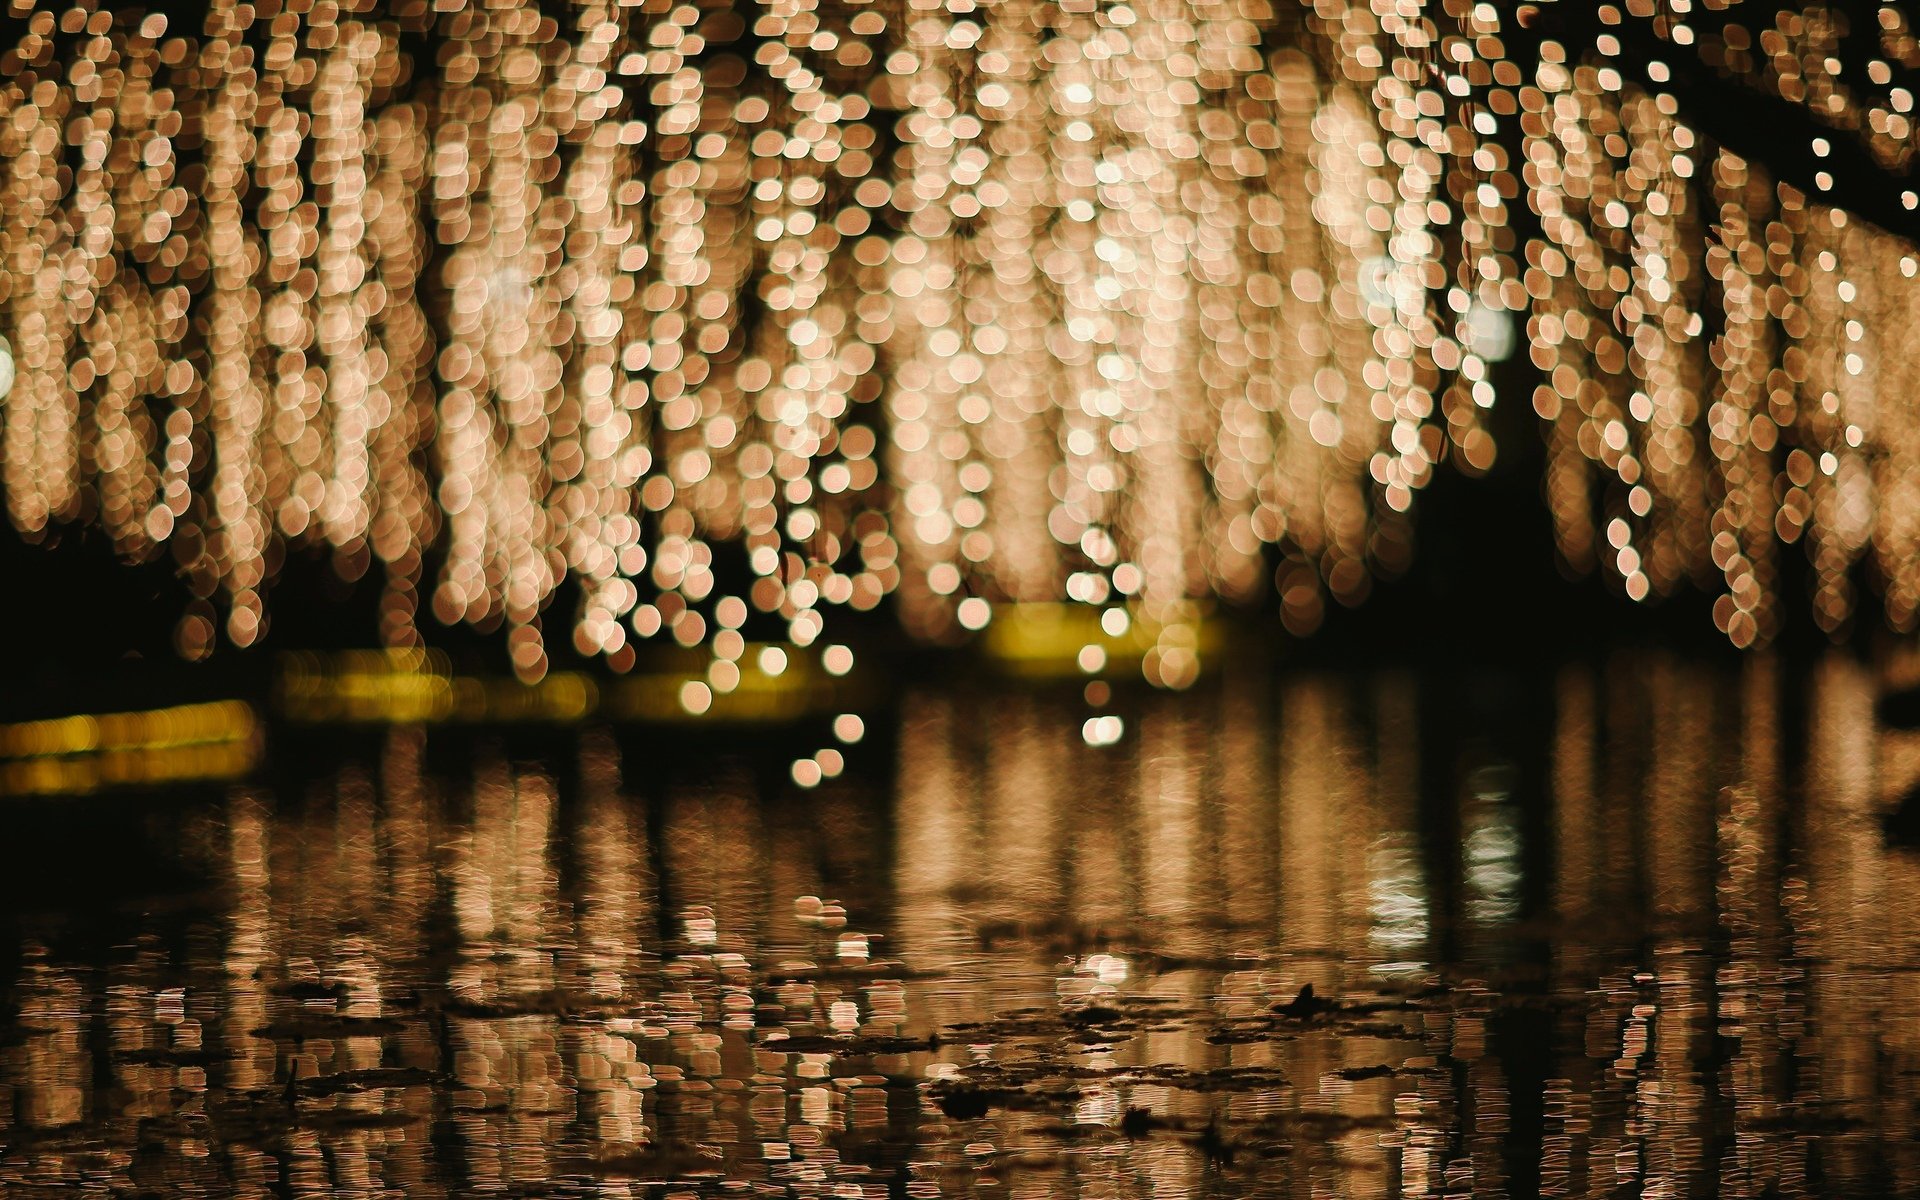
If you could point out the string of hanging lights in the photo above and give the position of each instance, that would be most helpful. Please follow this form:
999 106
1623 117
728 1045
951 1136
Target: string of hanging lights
733 313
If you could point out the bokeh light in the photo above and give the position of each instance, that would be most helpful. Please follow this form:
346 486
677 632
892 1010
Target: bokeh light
1130 305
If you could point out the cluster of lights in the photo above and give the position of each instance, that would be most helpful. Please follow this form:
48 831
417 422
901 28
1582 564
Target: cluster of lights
1726 359
729 315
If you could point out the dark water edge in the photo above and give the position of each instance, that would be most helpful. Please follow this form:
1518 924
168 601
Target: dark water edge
1631 929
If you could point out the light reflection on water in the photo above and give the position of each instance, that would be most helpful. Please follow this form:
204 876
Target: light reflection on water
1631 931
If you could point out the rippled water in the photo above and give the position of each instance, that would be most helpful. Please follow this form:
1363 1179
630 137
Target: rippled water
1600 932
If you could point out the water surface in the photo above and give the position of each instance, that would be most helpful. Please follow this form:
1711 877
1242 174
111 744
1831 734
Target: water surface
1591 932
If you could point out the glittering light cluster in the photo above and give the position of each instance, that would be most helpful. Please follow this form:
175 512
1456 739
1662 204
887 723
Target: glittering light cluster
1727 360
732 314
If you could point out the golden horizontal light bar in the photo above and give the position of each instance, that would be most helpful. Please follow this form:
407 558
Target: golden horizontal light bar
1044 640
419 687
86 752
800 689
161 728
128 768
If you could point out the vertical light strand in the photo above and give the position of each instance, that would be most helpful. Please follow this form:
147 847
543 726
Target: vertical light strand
1835 399
1365 295
1554 348
1486 288
1658 315
696 268
294 444
1234 436
503 358
1090 470
1615 324
465 426
1891 320
90 266
1419 124
40 487
1298 340
1740 427
344 315
593 505
810 366
406 517
126 350
1150 210
238 528
930 438
1017 440
1235 304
